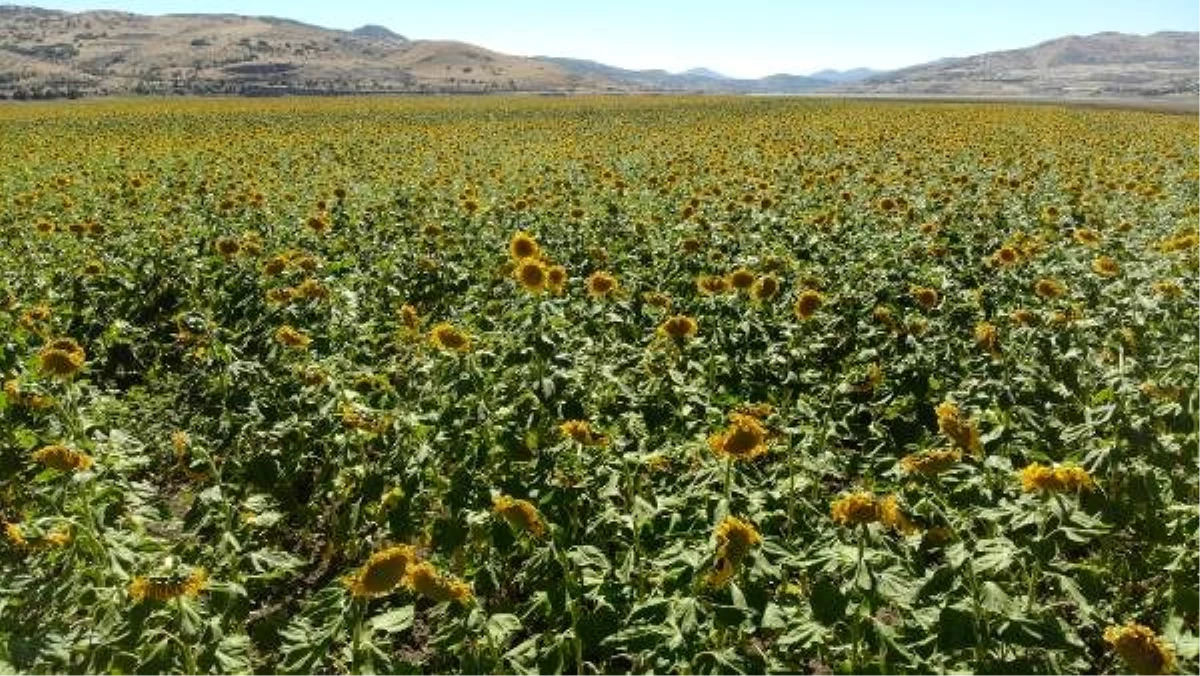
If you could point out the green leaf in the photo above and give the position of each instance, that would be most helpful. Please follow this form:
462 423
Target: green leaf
502 626
393 621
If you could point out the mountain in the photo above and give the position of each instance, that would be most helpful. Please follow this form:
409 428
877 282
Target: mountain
1100 65
46 53
705 72
49 53
852 75
700 80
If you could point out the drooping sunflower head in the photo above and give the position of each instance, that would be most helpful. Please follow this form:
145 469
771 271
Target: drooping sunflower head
382 572
1086 236
711 285
987 336
601 284
445 337
275 266
409 317
855 508
292 338
961 430
766 288
925 296
1105 266
62 458
679 327
1065 478
520 514
531 274
62 357
1141 649
1047 288
428 581
166 588
523 245
931 462
892 516
581 431
735 538
744 439
807 304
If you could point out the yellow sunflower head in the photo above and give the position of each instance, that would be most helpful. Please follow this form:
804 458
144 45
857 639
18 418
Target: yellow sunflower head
855 508
532 275
382 572
523 245
62 458
1141 649
520 514
808 303
601 284
428 581
61 357
744 439
445 337
741 279
679 327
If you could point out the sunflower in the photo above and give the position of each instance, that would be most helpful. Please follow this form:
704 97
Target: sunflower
164 589
520 514
62 458
280 295
1105 267
855 508
93 268
445 337
556 279
807 304
227 246
931 462
292 338
679 327
1049 288
531 274
741 279
988 337
959 429
61 357
765 288
581 431
711 285
409 317
1086 236
893 517
523 245
1168 289
1006 255
310 289
15 535
426 580
1022 316
734 538
744 439
382 572
1061 479
925 296
1141 649
601 284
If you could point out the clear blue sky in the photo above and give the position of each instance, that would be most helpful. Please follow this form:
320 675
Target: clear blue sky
745 38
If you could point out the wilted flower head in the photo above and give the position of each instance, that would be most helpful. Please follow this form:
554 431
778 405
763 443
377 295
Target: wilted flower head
1141 649
62 458
61 357
958 428
520 514
855 508
744 439
1063 478
445 337
426 580
382 572
931 462
679 326
164 589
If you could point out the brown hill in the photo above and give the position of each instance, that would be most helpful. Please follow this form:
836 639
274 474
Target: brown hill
52 53
1100 65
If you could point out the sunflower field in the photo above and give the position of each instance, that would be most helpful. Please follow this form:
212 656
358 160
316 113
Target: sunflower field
597 385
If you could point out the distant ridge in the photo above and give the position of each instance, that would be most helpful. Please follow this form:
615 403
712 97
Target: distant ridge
1101 65
50 54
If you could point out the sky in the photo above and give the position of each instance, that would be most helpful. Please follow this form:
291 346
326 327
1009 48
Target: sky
742 38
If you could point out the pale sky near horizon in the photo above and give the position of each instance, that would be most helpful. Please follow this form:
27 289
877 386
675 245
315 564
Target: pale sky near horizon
747 38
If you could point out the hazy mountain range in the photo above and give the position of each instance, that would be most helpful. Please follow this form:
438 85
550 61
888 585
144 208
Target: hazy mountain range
48 53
